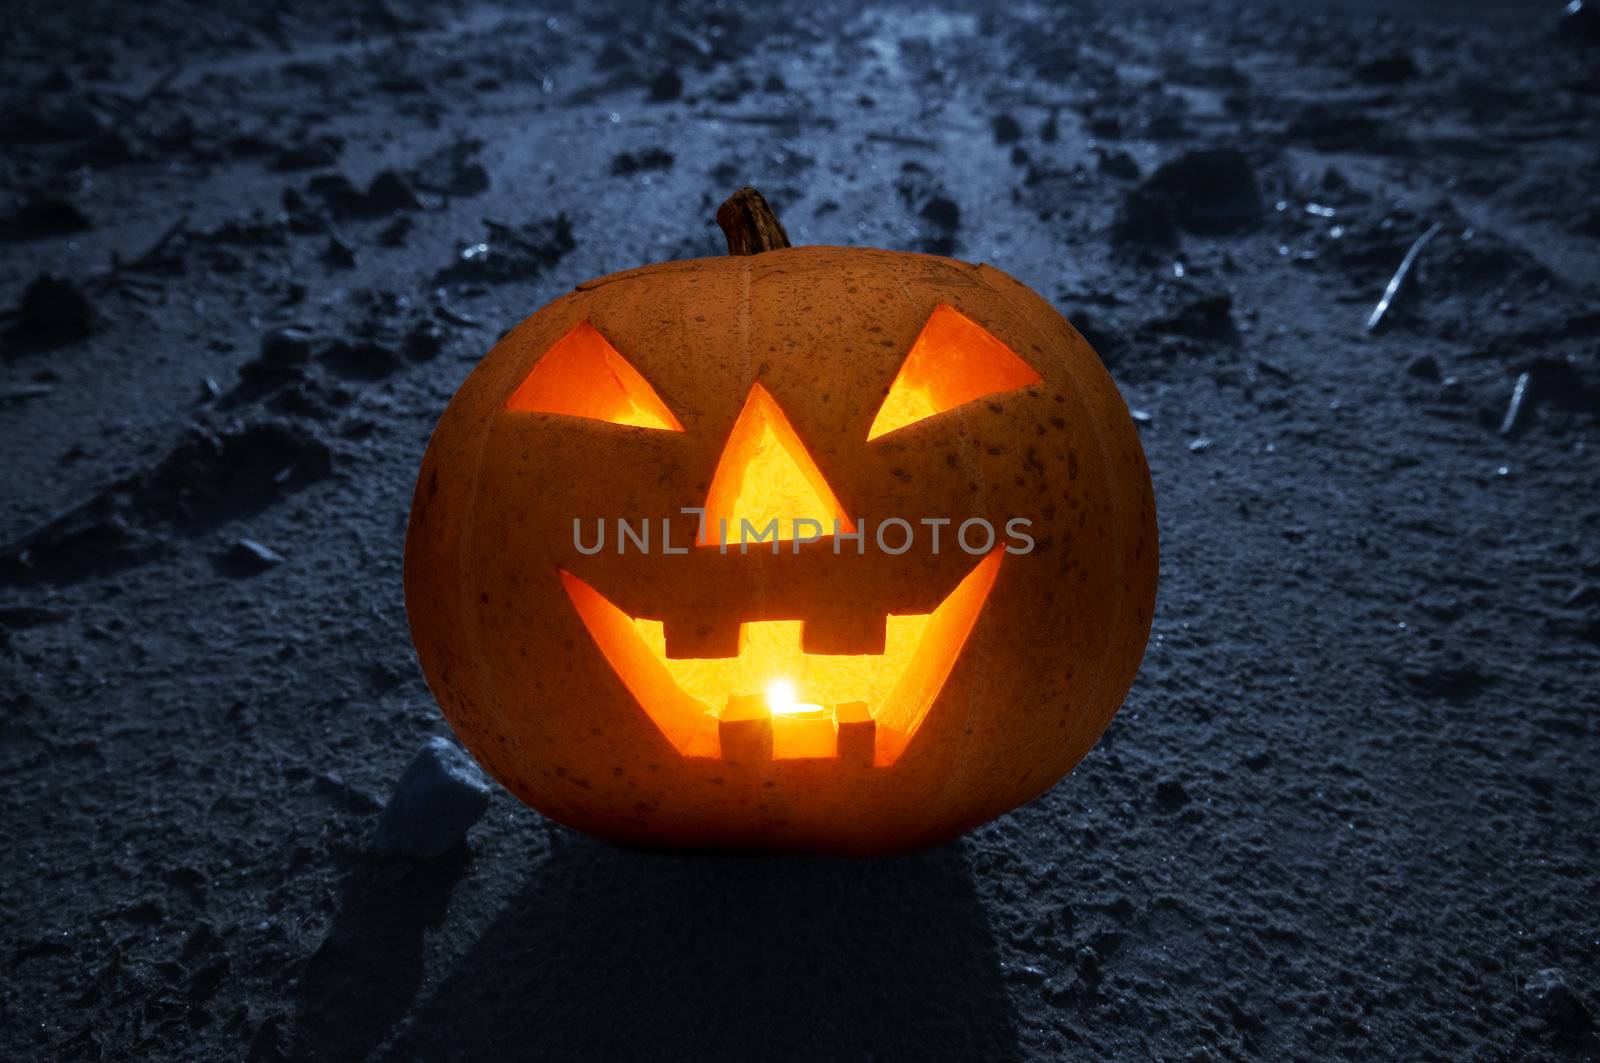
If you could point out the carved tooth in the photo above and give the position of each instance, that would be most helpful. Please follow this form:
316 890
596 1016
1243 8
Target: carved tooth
745 730
688 638
858 732
803 734
852 634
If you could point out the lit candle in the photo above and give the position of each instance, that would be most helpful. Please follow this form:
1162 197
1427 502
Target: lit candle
799 729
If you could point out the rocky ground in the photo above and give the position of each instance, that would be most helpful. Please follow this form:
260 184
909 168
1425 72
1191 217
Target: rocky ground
1349 809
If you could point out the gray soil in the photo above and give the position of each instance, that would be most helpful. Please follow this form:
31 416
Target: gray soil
1349 809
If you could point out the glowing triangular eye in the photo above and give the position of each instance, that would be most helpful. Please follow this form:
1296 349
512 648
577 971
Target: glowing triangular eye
953 361
582 375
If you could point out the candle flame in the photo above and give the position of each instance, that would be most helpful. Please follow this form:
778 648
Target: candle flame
780 696
781 700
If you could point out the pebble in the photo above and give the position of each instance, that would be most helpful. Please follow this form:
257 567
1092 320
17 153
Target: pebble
54 309
247 553
439 796
1515 408
360 359
1171 795
629 162
290 345
1582 596
390 191
1581 20
424 340
943 212
339 253
1424 367
1213 190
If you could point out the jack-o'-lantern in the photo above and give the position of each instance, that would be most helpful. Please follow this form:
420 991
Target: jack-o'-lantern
809 549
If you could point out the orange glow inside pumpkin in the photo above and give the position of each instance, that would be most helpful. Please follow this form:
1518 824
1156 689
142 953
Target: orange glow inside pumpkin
953 361
583 375
766 475
775 701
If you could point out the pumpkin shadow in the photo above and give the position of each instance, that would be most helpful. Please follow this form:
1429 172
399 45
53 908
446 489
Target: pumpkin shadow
608 954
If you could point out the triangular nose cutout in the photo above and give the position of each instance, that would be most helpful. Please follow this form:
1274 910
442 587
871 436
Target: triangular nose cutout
766 487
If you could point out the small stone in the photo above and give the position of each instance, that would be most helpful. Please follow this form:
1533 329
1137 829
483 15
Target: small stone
339 253
1581 20
247 553
943 212
360 359
424 340
1517 407
1212 190
1556 1003
439 796
1424 367
246 558
339 193
390 191
54 309
629 162
1026 973
1208 317
1582 597
286 346
1200 443
1171 795
1088 965
24 392
471 179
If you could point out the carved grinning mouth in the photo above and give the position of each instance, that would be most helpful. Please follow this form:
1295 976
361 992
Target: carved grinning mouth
773 700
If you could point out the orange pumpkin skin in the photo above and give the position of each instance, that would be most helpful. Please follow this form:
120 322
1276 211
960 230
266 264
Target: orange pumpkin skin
824 330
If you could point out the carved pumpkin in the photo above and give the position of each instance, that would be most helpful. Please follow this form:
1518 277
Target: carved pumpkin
792 664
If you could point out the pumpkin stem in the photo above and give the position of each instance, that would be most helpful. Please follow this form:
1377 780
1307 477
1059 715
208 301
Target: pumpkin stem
749 223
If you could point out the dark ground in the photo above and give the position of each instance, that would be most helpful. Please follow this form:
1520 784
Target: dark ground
1349 809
